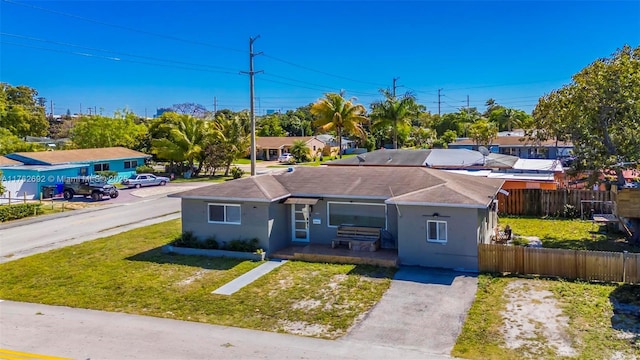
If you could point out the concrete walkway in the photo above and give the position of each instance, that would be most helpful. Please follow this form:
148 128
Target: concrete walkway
248 277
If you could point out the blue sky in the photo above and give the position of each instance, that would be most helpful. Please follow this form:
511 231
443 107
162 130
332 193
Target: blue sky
144 55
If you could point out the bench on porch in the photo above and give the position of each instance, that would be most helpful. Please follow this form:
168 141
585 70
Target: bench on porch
357 238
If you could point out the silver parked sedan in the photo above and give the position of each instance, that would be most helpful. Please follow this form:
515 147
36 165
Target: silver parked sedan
139 180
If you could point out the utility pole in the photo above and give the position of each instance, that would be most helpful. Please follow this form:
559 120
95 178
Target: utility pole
52 109
439 101
394 86
89 110
80 109
215 105
252 113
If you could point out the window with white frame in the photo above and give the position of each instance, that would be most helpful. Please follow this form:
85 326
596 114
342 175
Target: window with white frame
224 213
356 214
436 231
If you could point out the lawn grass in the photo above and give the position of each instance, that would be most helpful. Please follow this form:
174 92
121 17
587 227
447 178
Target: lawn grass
129 273
203 178
589 309
569 234
244 161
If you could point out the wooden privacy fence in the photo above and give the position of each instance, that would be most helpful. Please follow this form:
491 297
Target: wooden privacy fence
568 264
537 202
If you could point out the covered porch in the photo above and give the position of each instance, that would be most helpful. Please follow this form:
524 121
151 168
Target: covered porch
324 253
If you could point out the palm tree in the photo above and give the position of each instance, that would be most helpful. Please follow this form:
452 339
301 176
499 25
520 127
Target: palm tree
509 117
300 151
229 132
185 141
335 113
393 112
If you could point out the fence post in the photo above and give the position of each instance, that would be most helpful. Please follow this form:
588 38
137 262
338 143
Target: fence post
624 266
24 197
9 192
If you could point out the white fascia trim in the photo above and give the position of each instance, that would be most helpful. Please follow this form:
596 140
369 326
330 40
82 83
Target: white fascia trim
209 198
333 196
411 203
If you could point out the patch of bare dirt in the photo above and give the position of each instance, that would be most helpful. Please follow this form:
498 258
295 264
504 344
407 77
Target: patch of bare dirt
533 321
307 304
197 275
303 328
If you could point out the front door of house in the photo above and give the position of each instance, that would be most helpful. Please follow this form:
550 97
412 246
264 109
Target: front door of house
300 222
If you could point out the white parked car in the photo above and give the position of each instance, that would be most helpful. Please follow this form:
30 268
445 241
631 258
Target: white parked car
139 180
285 158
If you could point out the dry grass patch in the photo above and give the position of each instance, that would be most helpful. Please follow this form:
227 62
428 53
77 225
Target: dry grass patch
547 319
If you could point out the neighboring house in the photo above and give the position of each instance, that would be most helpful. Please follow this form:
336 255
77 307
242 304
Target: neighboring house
517 173
520 147
331 145
433 218
433 158
5 161
47 168
271 147
47 142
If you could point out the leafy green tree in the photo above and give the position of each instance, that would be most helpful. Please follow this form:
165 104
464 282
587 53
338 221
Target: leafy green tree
100 131
10 143
20 112
600 111
298 122
269 126
483 132
300 151
394 113
458 121
334 112
449 136
423 137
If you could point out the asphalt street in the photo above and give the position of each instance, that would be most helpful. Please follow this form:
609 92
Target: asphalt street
94 335
35 235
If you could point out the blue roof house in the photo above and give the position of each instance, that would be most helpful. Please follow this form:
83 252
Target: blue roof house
28 172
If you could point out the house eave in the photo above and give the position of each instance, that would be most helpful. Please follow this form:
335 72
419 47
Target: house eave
217 198
417 203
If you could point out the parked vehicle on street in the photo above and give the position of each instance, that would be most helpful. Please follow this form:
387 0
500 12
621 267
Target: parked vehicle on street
96 187
140 180
285 158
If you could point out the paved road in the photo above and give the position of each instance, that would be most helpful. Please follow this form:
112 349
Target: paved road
36 235
90 334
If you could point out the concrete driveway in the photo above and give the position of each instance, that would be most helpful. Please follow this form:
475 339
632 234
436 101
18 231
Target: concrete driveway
424 309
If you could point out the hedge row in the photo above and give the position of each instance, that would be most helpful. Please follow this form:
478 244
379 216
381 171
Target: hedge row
18 211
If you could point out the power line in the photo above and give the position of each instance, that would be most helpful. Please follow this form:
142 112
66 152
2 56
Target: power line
321 72
112 52
169 37
114 59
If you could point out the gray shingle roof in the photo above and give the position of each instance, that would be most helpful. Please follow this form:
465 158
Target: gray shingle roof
386 158
437 158
395 185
